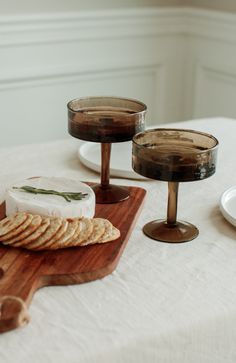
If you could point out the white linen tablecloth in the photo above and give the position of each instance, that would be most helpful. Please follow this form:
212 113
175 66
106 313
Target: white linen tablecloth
164 303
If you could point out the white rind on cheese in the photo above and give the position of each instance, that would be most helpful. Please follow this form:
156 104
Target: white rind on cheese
51 205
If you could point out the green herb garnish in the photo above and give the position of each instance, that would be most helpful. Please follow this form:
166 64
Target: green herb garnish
68 196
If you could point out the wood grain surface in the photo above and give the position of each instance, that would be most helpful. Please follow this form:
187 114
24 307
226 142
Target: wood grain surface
22 272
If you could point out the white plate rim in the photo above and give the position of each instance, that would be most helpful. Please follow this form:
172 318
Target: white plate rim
223 201
83 149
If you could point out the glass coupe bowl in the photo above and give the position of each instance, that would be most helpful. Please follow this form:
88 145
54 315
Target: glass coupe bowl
106 120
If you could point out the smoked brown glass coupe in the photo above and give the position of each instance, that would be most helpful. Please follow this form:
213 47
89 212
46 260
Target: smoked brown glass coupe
173 155
106 120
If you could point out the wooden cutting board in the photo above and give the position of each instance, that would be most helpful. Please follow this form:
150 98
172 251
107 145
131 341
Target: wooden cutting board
22 272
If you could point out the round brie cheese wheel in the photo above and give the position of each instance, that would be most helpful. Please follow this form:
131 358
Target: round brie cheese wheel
48 204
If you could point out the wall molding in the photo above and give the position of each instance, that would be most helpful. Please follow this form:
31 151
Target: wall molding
211 71
46 29
210 24
65 75
70 27
67 28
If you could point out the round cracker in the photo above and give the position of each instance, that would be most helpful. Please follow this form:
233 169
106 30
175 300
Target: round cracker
70 242
19 229
59 234
113 235
12 222
33 236
69 233
98 230
108 231
35 223
55 224
85 231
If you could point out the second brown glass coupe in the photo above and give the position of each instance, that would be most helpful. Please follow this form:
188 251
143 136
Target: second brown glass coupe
106 120
174 155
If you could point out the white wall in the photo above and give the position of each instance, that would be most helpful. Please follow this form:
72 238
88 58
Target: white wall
11 7
179 61
210 77
48 60
219 5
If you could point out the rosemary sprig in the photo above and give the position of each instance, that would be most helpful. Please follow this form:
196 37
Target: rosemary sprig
68 196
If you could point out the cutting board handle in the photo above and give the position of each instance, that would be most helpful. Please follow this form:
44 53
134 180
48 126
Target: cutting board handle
17 287
13 313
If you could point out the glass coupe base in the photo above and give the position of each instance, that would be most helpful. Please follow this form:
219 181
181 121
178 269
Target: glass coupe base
160 230
110 194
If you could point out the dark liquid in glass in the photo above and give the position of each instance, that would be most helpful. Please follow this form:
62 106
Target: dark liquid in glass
105 124
175 162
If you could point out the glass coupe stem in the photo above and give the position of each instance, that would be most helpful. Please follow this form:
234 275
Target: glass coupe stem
171 230
105 192
173 188
105 165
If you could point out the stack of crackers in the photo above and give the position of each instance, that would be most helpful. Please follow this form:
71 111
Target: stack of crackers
35 232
